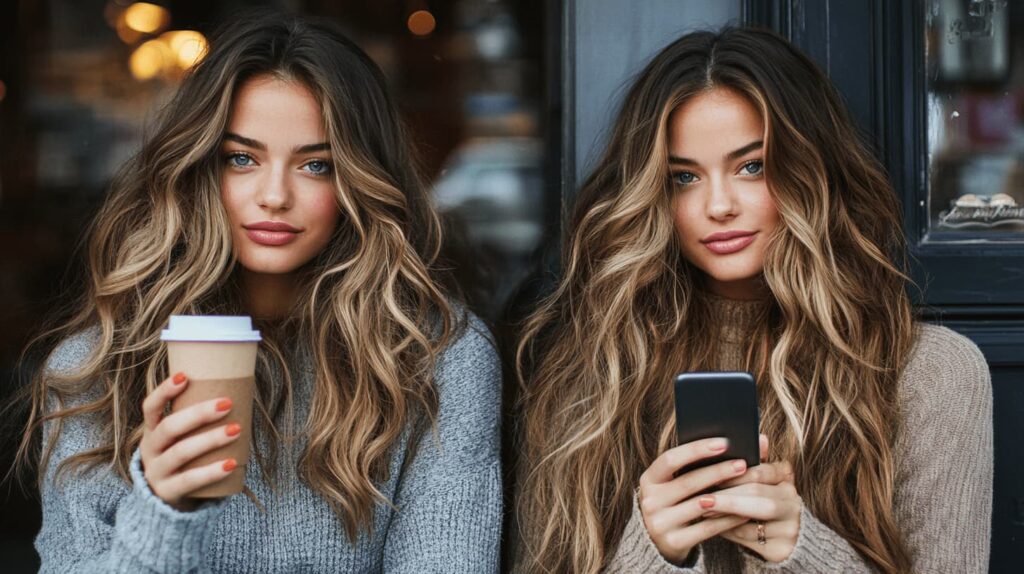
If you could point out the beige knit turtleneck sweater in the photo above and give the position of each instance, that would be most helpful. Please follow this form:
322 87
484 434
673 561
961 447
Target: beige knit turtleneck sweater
944 470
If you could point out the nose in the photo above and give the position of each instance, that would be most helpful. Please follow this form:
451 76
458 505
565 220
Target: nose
275 192
721 201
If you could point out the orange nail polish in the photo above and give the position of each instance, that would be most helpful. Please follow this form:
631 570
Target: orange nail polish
230 465
706 501
179 378
224 405
233 429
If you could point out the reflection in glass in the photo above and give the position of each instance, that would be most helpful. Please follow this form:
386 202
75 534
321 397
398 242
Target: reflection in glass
975 97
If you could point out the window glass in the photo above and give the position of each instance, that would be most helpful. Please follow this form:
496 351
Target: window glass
975 137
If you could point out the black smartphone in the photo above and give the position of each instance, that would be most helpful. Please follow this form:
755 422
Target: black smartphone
718 404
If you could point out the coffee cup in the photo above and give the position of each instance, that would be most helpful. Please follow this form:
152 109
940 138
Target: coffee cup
218 355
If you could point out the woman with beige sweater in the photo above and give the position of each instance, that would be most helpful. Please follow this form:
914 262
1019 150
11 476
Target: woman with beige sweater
736 222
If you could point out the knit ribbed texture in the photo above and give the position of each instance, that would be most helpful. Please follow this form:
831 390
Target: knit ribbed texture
944 469
447 499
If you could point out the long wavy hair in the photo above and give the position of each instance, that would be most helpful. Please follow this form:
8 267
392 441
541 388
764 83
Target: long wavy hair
375 309
596 359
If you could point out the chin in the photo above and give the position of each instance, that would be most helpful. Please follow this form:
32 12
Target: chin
733 274
270 266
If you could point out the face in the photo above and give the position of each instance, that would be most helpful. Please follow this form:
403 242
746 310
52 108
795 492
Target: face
277 183
721 207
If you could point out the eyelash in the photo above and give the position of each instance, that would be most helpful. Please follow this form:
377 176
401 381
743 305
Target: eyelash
675 176
230 157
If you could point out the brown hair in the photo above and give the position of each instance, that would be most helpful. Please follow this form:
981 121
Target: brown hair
374 312
596 358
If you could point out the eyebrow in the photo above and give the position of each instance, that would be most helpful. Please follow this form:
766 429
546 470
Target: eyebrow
731 156
249 142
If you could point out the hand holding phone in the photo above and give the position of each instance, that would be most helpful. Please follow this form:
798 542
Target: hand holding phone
674 506
717 429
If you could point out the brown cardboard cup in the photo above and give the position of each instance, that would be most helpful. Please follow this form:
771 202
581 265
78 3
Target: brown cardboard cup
218 355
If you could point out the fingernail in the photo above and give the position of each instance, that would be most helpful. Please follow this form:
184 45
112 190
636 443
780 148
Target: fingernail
230 465
706 501
739 465
179 378
718 445
233 429
223 405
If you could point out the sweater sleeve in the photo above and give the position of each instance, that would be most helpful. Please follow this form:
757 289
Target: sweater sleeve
944 475
449 497
95 522
943 501
637 553
818 550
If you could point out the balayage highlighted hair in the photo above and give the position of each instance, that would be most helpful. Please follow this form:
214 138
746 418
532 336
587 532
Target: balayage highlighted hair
374 310
596 360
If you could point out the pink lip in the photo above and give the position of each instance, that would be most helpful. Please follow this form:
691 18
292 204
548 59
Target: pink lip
272 226
726 242
271 233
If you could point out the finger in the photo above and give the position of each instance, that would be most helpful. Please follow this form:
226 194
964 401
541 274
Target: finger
686 485
774 529
664 520
664 467
182 484
698 532
784 491
187 420
154 403
762 441
186 450
755 507
765 473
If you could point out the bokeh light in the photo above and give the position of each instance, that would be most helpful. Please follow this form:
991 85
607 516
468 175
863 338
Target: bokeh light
188 46
146 18
421 23
150 59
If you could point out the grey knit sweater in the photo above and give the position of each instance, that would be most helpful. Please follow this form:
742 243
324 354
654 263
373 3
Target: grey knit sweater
447 500
943 481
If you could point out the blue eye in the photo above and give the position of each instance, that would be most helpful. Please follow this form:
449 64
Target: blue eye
318 167
755 167
683 178
239 159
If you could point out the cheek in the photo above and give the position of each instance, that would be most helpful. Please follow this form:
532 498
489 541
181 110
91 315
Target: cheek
684 217
768 214
322 208
232 197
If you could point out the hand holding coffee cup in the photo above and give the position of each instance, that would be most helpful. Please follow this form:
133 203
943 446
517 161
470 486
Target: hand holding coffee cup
166 452
200 450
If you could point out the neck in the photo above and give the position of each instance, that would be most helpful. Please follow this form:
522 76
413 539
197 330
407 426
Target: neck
268 296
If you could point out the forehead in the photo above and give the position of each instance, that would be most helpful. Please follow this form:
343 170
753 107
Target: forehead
714 120
272 109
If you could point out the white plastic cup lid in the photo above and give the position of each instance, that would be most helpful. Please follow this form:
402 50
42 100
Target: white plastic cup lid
211 328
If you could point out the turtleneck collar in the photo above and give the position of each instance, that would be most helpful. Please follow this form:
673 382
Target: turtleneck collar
734 318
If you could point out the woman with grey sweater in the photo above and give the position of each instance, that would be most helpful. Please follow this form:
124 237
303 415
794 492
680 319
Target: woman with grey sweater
279 184
736 222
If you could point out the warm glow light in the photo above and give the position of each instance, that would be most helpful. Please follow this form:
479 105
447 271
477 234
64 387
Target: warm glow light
146 18
150 59
3 90
126 34
421 23
188 46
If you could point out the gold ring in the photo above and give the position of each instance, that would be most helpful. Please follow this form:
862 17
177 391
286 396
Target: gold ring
760 534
